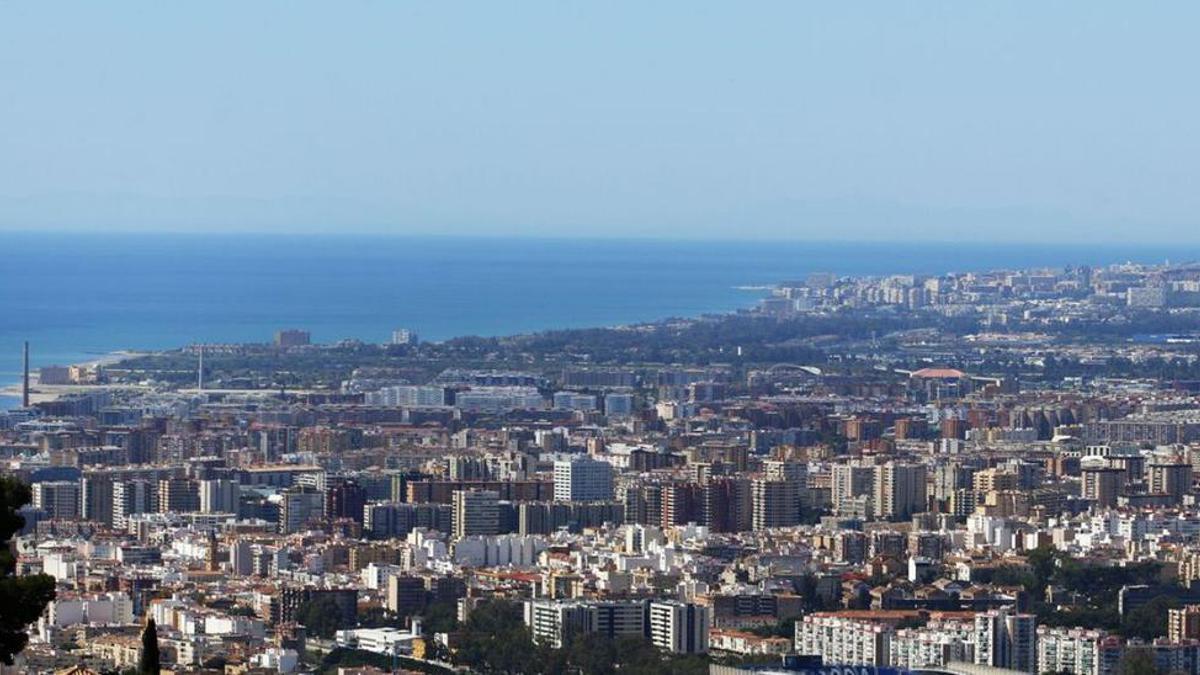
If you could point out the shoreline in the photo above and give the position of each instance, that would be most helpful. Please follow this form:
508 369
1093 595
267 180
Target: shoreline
43 393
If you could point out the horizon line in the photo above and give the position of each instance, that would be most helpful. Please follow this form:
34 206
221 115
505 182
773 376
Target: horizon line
594 237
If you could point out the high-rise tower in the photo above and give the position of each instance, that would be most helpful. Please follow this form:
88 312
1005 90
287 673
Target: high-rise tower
214 564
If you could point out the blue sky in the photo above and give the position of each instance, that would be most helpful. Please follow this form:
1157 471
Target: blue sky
968 121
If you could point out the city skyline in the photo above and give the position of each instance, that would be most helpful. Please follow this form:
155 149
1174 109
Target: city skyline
538 338
904 472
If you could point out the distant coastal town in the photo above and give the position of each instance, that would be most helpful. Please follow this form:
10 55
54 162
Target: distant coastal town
964 473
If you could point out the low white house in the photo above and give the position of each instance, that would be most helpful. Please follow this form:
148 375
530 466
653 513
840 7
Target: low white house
387 641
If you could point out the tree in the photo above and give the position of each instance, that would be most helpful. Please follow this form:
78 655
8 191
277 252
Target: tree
1137 662
322 616
150 660
1043 560
594 654
341 657
1150 620
494 639
1010 575
781 628
440 617
23 598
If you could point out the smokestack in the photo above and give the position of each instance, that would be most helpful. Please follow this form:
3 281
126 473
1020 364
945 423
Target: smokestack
25 380
200 370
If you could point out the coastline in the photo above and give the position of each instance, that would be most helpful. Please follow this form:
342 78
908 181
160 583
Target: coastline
42 393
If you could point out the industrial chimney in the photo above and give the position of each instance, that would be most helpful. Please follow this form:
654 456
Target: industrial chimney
25 380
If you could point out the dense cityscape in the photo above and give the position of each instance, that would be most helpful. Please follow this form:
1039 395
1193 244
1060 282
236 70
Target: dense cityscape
972 473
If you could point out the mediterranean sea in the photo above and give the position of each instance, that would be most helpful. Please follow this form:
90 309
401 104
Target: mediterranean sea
77 296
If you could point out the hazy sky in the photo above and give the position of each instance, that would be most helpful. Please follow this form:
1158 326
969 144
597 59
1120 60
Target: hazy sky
838 120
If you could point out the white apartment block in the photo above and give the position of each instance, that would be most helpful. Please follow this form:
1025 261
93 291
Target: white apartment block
680 627
936 644
843 640
553 622
1077 650
582 479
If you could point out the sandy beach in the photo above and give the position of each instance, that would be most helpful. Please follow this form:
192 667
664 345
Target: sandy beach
40 393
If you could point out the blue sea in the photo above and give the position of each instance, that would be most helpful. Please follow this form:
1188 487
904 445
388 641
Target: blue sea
76 296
